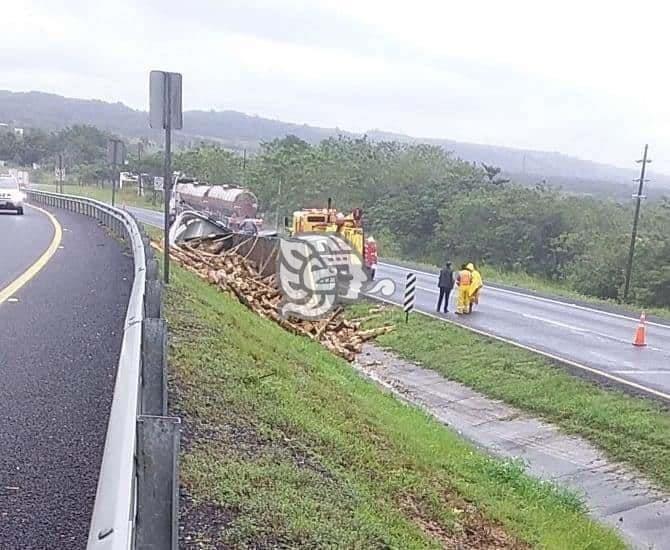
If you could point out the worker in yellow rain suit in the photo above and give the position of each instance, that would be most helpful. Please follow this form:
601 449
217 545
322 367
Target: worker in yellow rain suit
475 286
464 278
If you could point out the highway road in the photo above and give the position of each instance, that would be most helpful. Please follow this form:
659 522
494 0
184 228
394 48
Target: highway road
64 289
580 335
594 341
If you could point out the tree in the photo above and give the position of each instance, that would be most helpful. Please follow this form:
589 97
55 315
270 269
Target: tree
492 174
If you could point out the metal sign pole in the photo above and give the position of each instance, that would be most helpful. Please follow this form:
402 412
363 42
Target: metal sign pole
165 111
114 153
60 171
116 156
167 179
140 190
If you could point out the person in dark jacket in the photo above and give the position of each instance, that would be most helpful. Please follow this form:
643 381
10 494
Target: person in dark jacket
445 284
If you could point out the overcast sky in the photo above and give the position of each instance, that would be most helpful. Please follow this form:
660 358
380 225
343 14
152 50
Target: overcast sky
586 78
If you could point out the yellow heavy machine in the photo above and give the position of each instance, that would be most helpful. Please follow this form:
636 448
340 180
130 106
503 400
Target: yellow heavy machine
330 220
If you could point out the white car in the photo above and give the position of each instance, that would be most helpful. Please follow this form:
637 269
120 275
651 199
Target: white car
11 196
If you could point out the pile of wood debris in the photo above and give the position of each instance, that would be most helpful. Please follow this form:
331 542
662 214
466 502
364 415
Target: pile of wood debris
233 272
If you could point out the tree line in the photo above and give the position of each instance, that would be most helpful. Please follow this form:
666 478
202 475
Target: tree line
420 202
424 204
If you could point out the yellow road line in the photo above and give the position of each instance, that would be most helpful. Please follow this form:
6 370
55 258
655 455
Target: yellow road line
34 269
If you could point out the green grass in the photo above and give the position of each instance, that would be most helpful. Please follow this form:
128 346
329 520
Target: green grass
628 429
292 448
123 196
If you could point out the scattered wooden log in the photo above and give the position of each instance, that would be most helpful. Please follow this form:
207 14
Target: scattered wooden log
232 272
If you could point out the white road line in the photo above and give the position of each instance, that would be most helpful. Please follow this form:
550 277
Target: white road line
632 371
597 372
587 331
538 298
556 323
426 289
562 325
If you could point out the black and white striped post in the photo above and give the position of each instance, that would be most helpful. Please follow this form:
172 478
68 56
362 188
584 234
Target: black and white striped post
410 292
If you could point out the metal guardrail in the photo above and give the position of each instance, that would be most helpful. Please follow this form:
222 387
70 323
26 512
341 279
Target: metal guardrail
136 503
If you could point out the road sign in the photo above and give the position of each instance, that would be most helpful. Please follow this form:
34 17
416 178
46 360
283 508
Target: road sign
410 292
165 100
165 113
116 152
158 183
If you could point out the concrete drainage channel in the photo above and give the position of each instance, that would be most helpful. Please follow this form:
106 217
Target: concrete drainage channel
615 494
137 500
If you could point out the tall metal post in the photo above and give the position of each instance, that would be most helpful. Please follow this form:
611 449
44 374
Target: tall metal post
140 190
114 153
636 218
164 89
167 180
60 172
281 178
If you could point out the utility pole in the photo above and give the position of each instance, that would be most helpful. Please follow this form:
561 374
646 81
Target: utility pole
636 218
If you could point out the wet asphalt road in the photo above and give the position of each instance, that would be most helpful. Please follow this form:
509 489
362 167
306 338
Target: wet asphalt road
59 347
23 239
597 339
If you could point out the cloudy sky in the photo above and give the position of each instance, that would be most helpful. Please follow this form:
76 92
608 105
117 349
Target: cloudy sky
587 78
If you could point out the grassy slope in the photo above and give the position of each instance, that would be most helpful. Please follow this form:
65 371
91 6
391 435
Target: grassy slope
633 430
124 196
291 447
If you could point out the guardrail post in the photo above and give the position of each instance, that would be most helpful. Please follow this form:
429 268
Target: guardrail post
153 294
152 268
148 251
154 362
157 483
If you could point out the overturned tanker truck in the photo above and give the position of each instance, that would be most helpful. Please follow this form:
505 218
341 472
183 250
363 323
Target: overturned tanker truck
210 211
234 207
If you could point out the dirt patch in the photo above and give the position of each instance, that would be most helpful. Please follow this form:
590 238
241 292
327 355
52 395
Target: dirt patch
471 529
201 524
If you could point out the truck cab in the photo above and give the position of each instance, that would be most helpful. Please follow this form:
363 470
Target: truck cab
329 220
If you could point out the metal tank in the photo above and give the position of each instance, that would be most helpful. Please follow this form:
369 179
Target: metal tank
232 201
230 205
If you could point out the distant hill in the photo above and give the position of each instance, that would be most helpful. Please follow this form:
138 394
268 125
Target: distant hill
237 131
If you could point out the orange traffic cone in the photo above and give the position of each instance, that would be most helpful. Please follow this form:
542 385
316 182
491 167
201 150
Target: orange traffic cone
641 332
